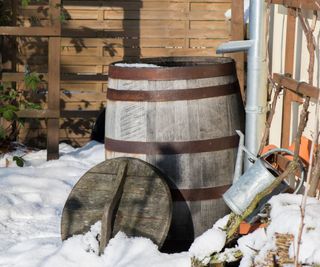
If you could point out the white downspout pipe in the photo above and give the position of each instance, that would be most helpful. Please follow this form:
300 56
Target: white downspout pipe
256 95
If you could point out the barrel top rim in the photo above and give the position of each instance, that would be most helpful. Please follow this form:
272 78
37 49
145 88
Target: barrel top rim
198 62
173 68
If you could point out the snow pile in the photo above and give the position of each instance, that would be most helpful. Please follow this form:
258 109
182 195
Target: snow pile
32 199
211 241
31 203
246 7
285 219
136 65
122 251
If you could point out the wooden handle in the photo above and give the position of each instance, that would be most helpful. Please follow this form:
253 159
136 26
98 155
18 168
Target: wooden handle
108 210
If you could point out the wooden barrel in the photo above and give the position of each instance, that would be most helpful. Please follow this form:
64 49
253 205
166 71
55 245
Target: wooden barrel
180 116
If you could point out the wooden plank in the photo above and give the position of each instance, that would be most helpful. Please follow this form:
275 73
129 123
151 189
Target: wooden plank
237 32
303 4
211 6
144 209
81 43
80 113
70 96
19 77
206 43
146 33
119 24
289 63
109 208
300 88
165 15
48 114
202 24
54 82
128 5
29 31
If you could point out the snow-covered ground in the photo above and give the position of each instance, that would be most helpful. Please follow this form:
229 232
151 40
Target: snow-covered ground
32 199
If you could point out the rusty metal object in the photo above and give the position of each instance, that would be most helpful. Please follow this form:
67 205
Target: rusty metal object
168 148
198 194
172 95
175 68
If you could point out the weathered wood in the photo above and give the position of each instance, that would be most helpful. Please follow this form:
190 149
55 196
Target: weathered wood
108 210
181 121
237 31
300 88
144 209
303 4
289 63
54 81
31 31
97 33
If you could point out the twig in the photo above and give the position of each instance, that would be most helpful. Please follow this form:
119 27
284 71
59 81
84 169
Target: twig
308 30
270 117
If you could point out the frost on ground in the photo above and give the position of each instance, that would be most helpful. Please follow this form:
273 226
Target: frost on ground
32 199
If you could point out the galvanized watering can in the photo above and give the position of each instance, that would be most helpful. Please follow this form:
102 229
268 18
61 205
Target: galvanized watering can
257 178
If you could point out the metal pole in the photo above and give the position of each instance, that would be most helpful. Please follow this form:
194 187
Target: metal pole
256 94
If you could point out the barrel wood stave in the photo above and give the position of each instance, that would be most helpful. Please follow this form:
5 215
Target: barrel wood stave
165 121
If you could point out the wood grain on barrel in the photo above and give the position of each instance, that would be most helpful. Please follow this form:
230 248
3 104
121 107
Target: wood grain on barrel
183 120
144 209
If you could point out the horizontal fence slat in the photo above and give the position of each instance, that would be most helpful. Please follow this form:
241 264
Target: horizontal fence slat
48 114
31 31
97 33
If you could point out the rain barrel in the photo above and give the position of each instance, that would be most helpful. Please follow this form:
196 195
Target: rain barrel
179 114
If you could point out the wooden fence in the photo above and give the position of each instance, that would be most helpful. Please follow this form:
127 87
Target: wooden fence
96 33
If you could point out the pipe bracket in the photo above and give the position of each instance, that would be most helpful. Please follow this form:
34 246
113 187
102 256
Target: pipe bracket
256 110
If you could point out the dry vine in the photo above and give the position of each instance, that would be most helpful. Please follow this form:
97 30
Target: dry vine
311 45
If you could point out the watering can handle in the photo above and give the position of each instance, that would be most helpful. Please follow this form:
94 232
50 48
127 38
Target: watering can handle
303 171
239 160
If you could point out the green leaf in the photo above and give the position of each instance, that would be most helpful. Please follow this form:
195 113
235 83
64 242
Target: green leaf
31 105
9 115
8 107
32 80
19 161
25 3
2 133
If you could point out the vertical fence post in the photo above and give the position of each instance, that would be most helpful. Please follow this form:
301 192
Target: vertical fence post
288 69
53 126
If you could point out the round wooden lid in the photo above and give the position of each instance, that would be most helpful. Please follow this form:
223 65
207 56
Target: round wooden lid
144 208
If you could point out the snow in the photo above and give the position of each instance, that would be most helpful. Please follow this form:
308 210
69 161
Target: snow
31 203
285 218
211 241
136 65
32 199
246 7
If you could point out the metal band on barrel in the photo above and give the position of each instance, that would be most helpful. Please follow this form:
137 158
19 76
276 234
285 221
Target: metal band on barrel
172 73
167 148
198 194
172 95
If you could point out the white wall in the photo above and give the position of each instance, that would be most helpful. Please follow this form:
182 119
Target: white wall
301 63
